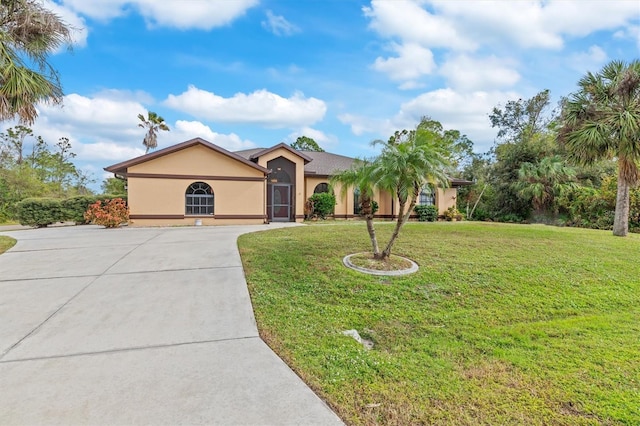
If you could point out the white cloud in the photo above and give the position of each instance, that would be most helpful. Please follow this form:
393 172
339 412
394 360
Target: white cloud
410 22
88 116
319 136
104 128
599 15
360 124
591 60
412 62
464 111
203 15
185 130
468 73
278 25
106 151
468 25
631 32
260 107
99 129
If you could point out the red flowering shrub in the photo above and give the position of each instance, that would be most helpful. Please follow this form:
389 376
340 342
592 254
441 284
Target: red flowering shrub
108 213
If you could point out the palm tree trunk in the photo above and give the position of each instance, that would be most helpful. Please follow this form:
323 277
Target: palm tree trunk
372 236
402 219
367 210
621 218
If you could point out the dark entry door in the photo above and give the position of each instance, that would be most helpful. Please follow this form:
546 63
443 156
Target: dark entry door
280 202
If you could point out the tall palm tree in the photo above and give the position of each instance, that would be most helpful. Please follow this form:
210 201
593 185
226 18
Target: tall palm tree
153 123
542 182
602 120
28 34
405 166
361 177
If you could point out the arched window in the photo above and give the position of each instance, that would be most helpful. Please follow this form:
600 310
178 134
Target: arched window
356 201
199 199
427 196
321 188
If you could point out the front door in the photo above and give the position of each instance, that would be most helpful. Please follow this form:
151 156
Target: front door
280 209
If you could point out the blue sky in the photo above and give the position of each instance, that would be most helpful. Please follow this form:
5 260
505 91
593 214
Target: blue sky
247 73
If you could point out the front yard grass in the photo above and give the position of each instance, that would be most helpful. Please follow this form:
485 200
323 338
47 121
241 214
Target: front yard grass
502 324
6 243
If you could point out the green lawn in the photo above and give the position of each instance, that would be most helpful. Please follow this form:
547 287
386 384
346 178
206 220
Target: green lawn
503 324
6 243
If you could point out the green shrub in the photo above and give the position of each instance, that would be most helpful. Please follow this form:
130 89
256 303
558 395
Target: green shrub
322 205
74 208
110 214
426 213
39 212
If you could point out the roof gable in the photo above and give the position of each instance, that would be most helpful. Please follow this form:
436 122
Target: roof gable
121 168
283 145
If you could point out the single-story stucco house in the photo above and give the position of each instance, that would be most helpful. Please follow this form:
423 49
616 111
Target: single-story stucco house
199 182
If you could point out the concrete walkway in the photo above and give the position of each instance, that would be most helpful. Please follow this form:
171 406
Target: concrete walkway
138 326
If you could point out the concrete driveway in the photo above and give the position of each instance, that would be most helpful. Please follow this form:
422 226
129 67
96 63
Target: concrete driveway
138 326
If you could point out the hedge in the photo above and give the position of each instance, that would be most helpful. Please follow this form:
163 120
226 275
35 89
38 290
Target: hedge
39 212
426 213
74 208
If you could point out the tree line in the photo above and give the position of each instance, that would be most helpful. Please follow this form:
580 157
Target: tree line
575 165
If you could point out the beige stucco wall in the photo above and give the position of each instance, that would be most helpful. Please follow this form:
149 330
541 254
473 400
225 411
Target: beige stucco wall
344 203
167 196
197 160
152 196
299 162
446 198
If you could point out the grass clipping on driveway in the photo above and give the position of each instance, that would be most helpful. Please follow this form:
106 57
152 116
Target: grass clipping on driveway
6 243
502 324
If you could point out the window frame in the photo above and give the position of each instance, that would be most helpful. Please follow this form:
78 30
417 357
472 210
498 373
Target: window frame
429 194
202 192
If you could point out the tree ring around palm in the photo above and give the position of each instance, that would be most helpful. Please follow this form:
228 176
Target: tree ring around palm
394 266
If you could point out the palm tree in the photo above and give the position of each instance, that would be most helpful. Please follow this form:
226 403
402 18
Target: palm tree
361 177
544 181
28 34
602 120
153 123
405 166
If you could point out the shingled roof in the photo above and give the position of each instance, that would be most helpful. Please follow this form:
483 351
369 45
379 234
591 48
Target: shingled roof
321 164
326 164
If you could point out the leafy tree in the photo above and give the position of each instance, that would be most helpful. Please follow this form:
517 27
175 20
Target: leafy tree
114 186
361 177
29 32
153 123
408 161
304 143
407 164
544 181
44 172
602 120
525 135
13 142
522 119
